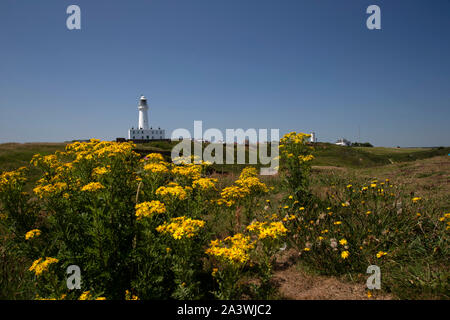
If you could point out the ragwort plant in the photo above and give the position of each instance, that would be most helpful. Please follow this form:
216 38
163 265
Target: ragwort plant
103 209
295 165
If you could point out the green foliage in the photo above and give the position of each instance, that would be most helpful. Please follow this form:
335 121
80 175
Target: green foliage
158 230
376 224
360 144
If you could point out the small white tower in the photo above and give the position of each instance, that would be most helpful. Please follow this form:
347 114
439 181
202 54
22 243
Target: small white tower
143 114
313 137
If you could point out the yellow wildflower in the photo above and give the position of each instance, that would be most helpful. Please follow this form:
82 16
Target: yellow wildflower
248 172
204 184
148 208
234 250
154 157
92 187
32 233
157 168
130 296
265 230
181 227
99 171
39 265
189 171
86 295
172 192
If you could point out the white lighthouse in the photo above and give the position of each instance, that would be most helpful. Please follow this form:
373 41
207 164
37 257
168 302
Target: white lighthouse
143 132
143 114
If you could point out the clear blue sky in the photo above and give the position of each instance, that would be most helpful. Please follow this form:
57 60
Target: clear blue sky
307 65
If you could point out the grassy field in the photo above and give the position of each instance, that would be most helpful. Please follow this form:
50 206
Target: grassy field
14 155
363 157
372 161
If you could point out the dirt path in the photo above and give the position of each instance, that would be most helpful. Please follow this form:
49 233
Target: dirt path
297 285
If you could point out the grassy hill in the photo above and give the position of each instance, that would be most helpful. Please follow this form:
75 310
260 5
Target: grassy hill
14 155
328 154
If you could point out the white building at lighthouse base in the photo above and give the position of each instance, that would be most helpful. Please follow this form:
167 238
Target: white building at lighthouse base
146 134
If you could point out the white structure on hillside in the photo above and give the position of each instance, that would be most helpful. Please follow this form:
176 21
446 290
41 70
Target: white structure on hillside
143 114
343 142
313 137
143 132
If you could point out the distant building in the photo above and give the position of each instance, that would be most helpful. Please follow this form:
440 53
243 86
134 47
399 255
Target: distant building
143 132
313 137
343 142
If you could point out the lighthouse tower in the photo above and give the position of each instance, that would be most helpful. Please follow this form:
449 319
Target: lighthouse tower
143 114
143 133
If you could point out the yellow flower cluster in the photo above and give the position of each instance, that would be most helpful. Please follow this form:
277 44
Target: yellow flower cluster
50 161
128 294
99 171
265 230
204 184
181 227
253 184
232 194
189 171
154 157
148 208
50 189
158 168
294 137
247 184
294 150
224 202
11 178
233 249
40 265
86 295
100 149
248 172
302 158
444 218
32 233
92 187
172 191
